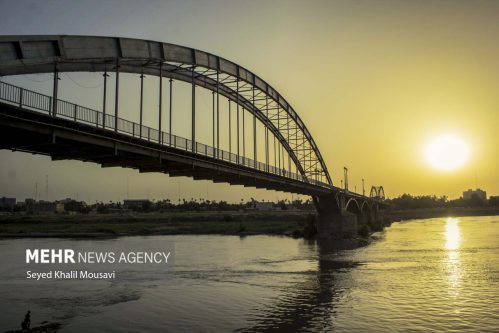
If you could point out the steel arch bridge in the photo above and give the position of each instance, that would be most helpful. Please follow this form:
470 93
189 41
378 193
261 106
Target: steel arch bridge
44 54
77 132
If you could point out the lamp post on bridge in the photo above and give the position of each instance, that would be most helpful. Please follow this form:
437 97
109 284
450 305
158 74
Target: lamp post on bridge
345 175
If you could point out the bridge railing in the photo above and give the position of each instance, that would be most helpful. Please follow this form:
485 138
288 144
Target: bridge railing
35 101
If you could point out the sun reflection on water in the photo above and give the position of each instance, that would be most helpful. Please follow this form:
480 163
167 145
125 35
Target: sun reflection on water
453 265
452 234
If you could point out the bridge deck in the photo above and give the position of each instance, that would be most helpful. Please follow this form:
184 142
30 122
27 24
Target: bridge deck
28 131
78 133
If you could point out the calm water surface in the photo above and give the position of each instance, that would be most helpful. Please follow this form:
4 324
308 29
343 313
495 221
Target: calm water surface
419 276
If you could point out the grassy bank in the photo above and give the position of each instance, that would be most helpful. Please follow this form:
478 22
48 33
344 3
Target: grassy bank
294 223
105 225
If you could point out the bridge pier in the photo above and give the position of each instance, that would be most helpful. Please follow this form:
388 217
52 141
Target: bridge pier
364 217
333 220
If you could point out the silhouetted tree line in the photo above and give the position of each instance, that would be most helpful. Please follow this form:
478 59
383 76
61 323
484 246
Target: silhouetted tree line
147 206
201 205
407 201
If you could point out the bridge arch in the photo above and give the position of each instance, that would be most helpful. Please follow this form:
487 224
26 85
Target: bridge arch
353 206
381 192
365 206
45 54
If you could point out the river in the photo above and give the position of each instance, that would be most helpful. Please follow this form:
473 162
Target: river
418 276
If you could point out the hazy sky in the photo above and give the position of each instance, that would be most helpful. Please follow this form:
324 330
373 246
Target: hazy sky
374 81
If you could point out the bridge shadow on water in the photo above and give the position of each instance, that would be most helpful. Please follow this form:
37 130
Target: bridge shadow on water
310 304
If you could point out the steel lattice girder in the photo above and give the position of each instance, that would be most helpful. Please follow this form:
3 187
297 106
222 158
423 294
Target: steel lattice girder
44 53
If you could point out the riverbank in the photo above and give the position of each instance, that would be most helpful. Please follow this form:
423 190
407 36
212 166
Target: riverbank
44 328
290 223
175 223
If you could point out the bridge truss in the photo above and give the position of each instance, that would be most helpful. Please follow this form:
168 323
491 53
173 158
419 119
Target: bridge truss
247 92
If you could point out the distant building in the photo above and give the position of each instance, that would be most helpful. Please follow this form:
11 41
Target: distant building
494 200
42 207
7 203
67 200
71 205
478 192
136 203
59 207
28 205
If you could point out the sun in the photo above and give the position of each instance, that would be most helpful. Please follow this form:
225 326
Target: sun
447 152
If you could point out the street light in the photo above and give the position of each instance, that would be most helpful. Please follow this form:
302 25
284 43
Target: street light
345 175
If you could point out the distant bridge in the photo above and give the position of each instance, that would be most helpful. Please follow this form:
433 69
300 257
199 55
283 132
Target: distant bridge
42 124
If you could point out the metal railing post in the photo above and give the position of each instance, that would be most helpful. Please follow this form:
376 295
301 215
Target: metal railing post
21 94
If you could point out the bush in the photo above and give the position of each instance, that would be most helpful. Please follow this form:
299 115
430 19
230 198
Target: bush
309 230
376 225
364 231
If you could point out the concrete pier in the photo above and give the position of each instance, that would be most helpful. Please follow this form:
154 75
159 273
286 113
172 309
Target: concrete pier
334 220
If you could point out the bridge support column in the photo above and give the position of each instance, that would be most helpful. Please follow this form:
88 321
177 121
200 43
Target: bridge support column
333 220
170 114
104 102
193 116
160 109
55 92
117 95
141 109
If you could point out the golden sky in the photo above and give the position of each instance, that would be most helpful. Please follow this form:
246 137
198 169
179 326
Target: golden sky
374 81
